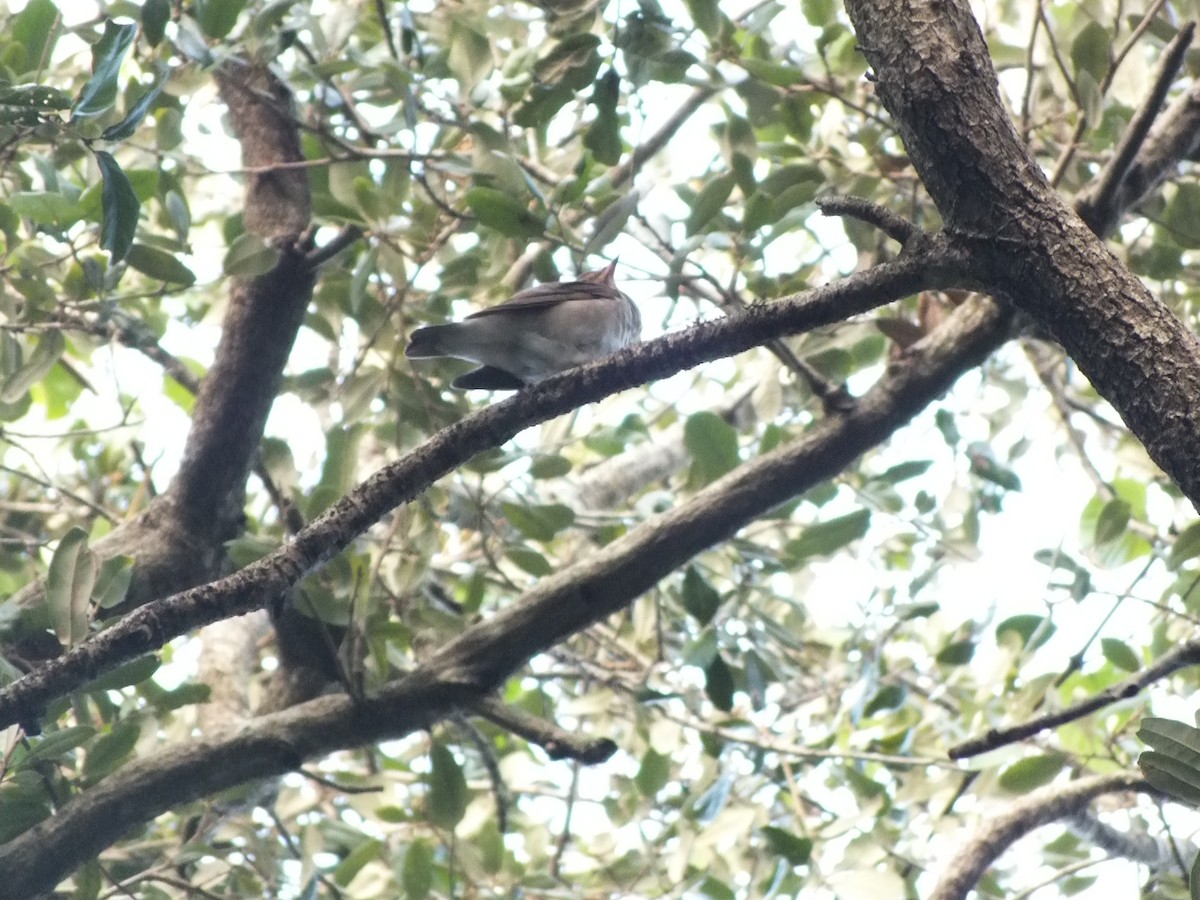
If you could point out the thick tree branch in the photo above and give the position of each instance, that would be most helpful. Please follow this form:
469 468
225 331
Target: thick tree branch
936 78
1001 831
468 669
264 313
148 628
1108 194
179 540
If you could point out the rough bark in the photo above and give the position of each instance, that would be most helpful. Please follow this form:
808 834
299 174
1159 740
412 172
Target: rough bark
149 627
178 542
935 77
468 669
999 832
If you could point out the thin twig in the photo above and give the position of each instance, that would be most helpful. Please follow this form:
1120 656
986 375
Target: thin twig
893 225
1186 655
1099 200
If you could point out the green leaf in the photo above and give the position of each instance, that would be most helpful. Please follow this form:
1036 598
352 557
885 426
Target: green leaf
603 136
824 538
120 205
47 352
1081 584
417 873
718 684
100 92
112 584
549 466
573 62
110 750
159 264
904 471
611 222
1186 546
248 256
1026 627
709 202
773 73
1177 739
983 465
133 118
35 29
133 672
890 696
713 444
1119 654
46 208
1031 772
700 598
795 849
758 675
956 653
26 104
819 12
530 561
365 852
155 16
56 745
1172 775
69 584
1112 521
217 17
446 801
539 522
944 419
505 213
653 774
706 15
22 805
701 651
1182 215
1090 51
470 57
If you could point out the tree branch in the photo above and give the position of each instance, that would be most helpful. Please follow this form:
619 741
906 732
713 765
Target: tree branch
935 76
1104 197
148 628
1001 831
1180 658
470 668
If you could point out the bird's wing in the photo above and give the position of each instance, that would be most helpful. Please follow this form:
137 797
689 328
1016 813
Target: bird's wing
546 295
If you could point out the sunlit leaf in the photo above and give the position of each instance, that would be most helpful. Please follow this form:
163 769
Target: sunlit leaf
713 445
447 798
69 582
100 92
1031 772
121 207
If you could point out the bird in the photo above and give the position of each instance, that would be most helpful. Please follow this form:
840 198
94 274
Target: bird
536 333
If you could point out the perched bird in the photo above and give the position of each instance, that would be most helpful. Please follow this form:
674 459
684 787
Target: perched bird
538 332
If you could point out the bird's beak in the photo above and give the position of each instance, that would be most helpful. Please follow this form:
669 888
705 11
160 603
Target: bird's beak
608 273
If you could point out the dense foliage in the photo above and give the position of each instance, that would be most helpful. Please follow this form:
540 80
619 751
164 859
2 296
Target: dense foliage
775 716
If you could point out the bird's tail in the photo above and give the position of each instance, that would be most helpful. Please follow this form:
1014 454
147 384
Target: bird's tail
432 340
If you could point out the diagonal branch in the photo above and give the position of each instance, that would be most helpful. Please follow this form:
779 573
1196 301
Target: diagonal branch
999 832
935 76
1181 657
466 671
150 627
